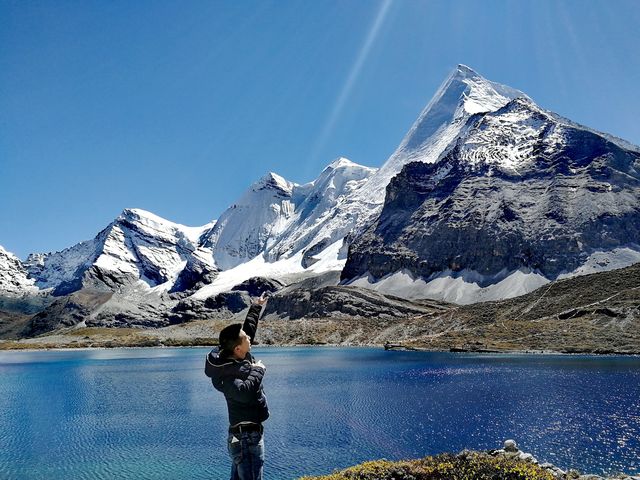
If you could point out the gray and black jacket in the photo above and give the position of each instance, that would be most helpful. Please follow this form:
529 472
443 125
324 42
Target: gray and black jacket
240 380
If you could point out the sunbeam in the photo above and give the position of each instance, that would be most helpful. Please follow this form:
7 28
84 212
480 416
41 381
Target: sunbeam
351 79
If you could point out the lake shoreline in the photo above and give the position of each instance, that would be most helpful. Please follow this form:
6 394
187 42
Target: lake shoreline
18 346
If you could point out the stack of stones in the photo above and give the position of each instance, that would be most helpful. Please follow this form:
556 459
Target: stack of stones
510 450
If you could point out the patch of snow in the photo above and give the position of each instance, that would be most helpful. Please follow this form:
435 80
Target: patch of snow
159 227
193 234
462 288
328 259
343 162
115 254
468 286
508 138
173 277
115 264
277 181
605 260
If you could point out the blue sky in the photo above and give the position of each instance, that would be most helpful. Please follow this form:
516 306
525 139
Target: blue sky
177 107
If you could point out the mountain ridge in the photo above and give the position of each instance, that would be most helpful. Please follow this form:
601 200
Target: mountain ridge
487 196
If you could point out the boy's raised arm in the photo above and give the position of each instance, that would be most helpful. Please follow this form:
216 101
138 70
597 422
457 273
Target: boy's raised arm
250 325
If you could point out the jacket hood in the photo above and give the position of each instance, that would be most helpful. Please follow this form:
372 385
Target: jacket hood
219 365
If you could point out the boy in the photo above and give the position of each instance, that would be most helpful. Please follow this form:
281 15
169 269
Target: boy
235 373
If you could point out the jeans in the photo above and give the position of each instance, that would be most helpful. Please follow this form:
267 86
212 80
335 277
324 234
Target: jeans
246 450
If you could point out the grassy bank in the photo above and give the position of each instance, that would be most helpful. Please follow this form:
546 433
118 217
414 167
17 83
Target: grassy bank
464 466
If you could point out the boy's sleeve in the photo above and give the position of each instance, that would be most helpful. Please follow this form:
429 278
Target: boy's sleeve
250 325
244 391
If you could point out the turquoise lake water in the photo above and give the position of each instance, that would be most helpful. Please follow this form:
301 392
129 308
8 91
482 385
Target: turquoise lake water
152 414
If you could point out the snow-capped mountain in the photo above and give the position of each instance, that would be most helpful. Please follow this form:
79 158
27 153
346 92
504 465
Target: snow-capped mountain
277 218
488 196
314 226
13 275
519 198
482 121
463 94
138 248
244 229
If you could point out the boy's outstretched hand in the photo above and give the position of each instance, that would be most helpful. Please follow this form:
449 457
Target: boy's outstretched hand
262 299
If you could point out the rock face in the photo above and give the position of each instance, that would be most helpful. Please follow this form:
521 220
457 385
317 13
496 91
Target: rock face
337 302
256 286
299 301
66 312
224 304
519 190
101 308
198 272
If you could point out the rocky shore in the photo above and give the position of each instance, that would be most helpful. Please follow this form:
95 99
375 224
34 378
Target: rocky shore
511 451
507 463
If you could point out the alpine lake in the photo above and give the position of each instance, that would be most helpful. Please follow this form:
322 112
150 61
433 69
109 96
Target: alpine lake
152 413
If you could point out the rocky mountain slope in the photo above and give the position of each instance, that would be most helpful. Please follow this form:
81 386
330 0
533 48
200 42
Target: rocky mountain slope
597 313
19 296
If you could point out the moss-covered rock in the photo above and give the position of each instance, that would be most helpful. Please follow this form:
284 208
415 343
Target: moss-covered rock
469 466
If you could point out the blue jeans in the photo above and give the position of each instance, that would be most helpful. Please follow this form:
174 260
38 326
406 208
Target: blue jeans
246 450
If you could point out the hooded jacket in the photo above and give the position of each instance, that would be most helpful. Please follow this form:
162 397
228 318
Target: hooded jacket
240 380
